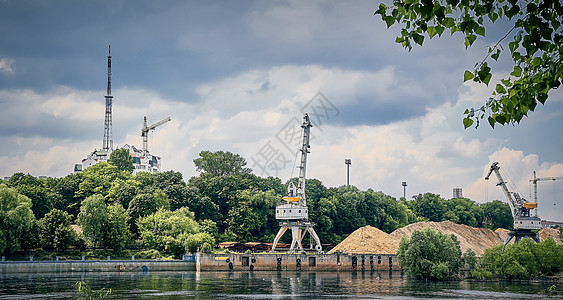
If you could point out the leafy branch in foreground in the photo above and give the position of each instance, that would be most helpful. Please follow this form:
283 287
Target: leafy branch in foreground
535 49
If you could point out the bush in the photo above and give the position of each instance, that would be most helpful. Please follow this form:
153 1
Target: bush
206 248
147 254
525 259
194 241
470 259
481 274
430 254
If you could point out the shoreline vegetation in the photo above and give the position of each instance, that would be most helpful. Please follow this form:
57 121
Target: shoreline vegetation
106 211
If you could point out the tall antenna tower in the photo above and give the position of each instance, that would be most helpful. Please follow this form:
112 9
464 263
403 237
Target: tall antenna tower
108 140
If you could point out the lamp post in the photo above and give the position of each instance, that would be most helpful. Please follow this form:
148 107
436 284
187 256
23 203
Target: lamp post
348 162
404 189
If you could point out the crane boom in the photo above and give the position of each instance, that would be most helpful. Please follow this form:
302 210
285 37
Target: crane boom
295 194
145 132
511 200
520 209
304 150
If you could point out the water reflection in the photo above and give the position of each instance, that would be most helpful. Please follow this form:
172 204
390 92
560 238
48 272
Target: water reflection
257 285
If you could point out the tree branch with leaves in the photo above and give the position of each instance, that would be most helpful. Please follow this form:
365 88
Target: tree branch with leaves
535 48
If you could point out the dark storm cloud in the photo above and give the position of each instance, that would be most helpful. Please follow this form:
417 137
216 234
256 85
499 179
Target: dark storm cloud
173 47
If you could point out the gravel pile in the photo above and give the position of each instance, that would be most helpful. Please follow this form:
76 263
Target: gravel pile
368 240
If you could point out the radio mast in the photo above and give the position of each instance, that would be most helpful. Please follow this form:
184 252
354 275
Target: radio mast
108 139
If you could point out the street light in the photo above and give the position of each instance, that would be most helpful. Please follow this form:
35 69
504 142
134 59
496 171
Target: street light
404 189
348 162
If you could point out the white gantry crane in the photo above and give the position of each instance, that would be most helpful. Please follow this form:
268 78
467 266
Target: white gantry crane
145 132
293 209
535 180
520 208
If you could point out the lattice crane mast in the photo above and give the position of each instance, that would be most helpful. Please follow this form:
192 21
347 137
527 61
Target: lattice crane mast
535 182
520 209
145 132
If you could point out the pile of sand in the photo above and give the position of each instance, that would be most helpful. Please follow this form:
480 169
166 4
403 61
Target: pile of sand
368 240
477 239
547 232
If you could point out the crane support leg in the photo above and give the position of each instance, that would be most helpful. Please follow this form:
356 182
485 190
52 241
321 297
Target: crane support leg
519 234
282 230
296 237
318 246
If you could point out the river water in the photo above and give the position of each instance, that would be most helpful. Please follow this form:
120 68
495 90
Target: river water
258 285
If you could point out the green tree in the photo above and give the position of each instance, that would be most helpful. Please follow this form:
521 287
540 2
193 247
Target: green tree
498 214
145 204
42 197
384 212
220 190
463 211
221 163
430 206
251 216
103 225
122 160
430 254
116 231
17 220
56 232
324 217
470 258
210 227
92 219
535 49
97 179
123 191
67 187
174 231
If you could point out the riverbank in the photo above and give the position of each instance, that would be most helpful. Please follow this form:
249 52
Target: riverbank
8 267
216 262
296 262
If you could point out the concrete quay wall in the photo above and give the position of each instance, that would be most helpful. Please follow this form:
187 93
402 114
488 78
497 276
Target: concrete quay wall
95 266
296 262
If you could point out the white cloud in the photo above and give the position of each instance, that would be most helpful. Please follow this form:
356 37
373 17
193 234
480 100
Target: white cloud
239 114
6 66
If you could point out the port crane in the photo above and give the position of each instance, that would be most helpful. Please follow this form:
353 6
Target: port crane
145 132
293 210
535 180
520 208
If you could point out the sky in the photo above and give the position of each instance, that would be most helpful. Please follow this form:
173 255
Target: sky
239 75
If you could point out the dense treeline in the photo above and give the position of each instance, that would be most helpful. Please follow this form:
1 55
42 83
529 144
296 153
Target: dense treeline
225 202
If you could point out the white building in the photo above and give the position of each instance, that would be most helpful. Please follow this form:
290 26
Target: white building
142 162
93 158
